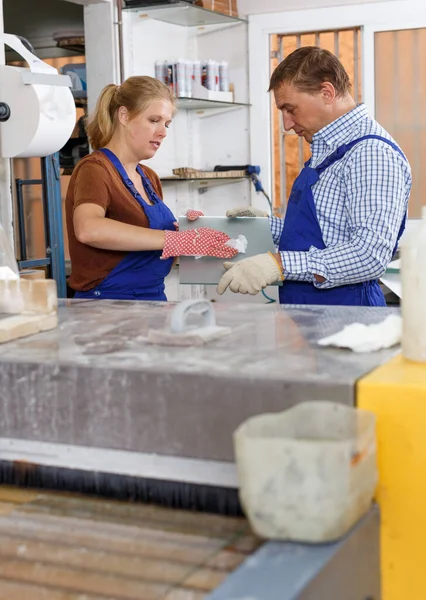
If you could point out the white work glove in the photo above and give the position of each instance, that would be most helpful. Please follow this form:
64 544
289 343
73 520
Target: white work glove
245 211
250 275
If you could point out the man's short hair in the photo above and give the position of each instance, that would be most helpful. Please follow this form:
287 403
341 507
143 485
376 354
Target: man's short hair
307 68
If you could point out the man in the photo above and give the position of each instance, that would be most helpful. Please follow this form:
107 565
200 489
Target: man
347 209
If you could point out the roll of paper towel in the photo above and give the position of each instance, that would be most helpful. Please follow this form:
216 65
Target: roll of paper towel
42 107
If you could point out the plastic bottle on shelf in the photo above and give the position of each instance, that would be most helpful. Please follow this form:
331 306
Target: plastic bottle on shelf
413 279
216 76
211 75
160 71
197 72
223 76
189 77
166 72
180 89
204 65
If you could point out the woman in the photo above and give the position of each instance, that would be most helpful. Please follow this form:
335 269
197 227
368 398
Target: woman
122 237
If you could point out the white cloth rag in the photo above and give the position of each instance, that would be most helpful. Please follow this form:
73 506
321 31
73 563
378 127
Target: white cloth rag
240 243
367 338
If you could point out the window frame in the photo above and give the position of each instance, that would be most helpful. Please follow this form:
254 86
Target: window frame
371 17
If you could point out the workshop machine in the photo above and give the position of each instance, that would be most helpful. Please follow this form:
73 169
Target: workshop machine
101 410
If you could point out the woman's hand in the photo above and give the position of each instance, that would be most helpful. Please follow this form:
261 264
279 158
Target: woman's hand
193 215
197 242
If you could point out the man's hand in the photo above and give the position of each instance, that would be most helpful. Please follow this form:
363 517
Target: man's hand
250 275
245 211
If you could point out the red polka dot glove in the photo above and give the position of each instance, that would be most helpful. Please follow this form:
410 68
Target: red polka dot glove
192 215
197 242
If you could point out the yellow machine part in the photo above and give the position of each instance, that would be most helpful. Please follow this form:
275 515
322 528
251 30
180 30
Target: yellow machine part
396 393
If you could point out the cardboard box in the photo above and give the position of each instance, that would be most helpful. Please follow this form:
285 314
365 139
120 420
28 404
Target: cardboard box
227 7
32 274
28 296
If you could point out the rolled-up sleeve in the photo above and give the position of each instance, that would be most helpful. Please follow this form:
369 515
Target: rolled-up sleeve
375 186
276 224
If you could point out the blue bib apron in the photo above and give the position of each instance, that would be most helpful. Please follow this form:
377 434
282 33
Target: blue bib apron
140 275
301 231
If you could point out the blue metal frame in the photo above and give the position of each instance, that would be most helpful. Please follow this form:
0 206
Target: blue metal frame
53 228
52 200
20 183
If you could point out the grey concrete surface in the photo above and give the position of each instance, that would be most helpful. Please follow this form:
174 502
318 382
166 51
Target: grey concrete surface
95 380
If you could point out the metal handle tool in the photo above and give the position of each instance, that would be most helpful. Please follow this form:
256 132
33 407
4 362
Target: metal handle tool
181 313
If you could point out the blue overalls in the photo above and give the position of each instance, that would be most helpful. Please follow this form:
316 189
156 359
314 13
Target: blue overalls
301 231
140 275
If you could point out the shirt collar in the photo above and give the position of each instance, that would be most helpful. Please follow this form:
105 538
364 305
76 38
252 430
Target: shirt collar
339 128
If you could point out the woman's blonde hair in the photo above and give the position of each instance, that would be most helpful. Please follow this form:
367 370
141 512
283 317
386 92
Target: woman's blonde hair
135 94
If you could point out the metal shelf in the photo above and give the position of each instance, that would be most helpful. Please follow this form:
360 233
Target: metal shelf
73 44
185 103
181 13
80 98
204 103
203 184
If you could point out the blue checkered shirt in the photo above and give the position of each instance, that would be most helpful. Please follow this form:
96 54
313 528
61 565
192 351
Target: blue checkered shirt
360 202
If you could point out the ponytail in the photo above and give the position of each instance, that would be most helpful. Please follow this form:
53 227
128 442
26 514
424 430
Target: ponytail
101 124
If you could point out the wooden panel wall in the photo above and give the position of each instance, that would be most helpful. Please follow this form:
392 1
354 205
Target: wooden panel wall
400 60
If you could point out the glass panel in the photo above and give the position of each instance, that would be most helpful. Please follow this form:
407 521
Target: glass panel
181 13
400 90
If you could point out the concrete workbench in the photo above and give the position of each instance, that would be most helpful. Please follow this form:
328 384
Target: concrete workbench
94 395
95 380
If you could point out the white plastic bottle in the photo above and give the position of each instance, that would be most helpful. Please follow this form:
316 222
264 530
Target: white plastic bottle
197 72
160 71
223 76
189 77
181 90
216 76
413 277
212 73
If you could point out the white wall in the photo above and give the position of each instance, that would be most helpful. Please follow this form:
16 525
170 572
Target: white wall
255 7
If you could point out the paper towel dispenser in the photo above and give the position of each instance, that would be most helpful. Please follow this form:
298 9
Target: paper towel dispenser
41 106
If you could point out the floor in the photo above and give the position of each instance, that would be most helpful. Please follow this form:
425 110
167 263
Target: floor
67 547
